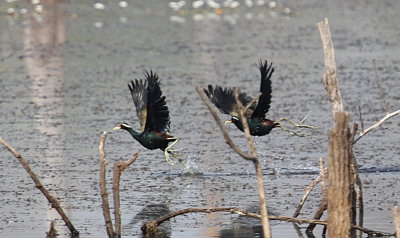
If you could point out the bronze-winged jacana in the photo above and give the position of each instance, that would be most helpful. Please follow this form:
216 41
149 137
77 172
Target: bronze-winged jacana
153 115
224 100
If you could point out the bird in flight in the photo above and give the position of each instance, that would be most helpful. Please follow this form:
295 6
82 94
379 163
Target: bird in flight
153 115
224 100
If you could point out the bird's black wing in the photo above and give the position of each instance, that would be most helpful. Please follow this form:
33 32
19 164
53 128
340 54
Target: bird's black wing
138 90
157 110
265 99
224 99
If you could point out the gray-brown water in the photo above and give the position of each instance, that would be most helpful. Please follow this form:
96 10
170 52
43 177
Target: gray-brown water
63 80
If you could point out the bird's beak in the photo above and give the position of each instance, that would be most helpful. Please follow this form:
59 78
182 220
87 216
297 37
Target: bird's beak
228 121
117 128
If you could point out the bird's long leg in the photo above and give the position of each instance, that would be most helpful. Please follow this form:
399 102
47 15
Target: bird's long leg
168 150
299 125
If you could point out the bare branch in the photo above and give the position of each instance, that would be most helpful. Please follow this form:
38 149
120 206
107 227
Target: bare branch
360 116
307 191
118 168
376 125
52 200
329 78
228 139
103 189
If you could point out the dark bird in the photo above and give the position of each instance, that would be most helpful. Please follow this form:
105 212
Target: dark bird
153 115
224 100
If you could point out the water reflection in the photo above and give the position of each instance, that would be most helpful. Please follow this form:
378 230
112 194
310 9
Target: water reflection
43 35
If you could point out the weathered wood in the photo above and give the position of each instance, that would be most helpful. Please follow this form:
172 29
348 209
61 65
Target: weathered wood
339 178
118 168
330 78
396 214
103 189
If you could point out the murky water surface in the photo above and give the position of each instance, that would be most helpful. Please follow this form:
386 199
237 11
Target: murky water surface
64 70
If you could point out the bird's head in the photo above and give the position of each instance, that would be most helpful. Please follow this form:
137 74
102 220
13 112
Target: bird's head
122 126
233 120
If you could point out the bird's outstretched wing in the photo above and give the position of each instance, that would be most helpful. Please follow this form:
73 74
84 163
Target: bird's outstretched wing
157 111
265 88
138 90
224 99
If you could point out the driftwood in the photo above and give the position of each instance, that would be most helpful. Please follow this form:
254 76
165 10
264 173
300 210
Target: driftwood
52 200
248 156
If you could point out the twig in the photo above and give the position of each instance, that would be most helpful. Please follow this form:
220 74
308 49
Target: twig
360 116
118 168
307 191
396 215
52 200
329 78
381 91
324 202
376 125
103 189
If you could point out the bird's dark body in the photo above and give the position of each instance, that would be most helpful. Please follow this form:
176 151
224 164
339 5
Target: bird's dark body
257 126
152 140
224 100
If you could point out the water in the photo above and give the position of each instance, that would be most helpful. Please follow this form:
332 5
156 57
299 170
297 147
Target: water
63 81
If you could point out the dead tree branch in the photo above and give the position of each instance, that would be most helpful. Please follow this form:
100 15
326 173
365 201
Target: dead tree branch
248 156
330 76
118 168
52 200
150 226
376 125
103 189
